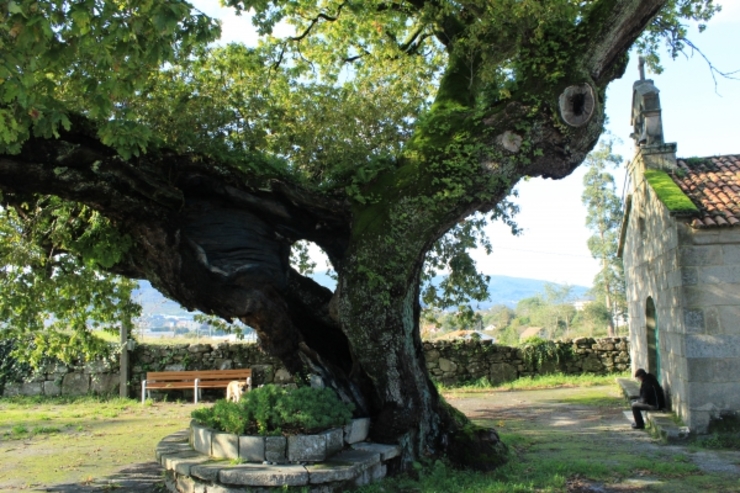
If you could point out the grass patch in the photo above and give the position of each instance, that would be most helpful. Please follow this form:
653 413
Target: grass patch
668 192
45 430
717 441
71 440
551 381
547 457
66 439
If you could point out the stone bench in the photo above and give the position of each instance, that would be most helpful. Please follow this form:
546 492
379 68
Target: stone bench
662 422
630 388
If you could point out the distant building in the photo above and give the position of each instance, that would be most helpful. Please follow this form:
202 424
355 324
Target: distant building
680 243
579 305
532 332
466 335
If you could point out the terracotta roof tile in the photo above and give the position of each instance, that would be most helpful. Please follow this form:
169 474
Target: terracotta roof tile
713 185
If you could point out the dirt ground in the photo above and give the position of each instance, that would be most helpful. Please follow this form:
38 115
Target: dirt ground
581 424
578 423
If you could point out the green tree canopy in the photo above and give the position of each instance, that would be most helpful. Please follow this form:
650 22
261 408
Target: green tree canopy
375 129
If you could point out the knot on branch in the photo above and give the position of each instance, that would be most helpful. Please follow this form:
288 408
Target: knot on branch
577 104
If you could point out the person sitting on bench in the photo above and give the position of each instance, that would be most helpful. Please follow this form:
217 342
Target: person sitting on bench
651 397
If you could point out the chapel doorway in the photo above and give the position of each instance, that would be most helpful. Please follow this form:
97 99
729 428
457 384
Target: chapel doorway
653 338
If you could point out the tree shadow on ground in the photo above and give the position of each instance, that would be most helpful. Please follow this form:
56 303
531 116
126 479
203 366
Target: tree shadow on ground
144 477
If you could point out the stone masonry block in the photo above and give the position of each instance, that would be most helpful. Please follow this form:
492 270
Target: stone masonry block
201 438
262 374
730 238
12 389
275 449
357 430
712 346
252 448
725 274
282 376
712 324
446 365
165 451
183 461
32 388
266 476
711 295
693 319
52 387
371 475
729 319
207 472
105 383
225 445
387 452
334 441
306 448
714 396
347 465
717 370
76 383
689 276
502 372
700 255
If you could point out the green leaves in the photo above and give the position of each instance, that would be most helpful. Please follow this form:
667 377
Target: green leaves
88 56
270 410
52 292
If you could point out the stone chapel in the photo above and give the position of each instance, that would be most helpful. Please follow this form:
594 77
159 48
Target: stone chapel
680 243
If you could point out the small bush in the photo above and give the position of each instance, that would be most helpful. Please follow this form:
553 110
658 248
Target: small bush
536 351
273 410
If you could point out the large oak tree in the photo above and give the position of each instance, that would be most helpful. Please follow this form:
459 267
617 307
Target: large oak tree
378 126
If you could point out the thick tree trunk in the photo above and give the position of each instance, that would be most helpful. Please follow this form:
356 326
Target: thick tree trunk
378 304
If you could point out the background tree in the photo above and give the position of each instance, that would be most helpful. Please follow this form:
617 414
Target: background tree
499 316
372 131
604 219
592 320
559 308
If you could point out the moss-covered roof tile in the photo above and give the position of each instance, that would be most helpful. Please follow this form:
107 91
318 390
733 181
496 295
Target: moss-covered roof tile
713 185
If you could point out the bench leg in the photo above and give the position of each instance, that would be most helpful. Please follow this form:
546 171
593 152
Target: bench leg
143 391
196 390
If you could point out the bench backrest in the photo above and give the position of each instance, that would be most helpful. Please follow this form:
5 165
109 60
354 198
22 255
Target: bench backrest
203 375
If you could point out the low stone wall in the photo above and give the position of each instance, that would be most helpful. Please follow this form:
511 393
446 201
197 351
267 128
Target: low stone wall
456 362
449 362
97 377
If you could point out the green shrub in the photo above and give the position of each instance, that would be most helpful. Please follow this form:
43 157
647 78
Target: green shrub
272 410
535 351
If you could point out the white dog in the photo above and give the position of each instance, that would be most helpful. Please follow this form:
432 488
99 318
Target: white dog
235 389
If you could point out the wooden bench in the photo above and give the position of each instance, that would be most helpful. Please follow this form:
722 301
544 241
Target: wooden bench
195 380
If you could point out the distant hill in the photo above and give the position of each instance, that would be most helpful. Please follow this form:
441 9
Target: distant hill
503 290
152 302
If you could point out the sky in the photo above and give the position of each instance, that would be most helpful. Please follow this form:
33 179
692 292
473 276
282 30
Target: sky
702 119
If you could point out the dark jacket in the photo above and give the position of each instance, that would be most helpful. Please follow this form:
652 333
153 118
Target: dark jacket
651 392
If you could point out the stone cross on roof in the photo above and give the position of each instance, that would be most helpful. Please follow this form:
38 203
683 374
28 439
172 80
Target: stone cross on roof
646 112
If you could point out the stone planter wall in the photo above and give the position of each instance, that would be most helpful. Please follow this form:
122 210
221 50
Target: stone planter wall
449 362
277 449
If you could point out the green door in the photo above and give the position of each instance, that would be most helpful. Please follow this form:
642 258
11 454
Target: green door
653 338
